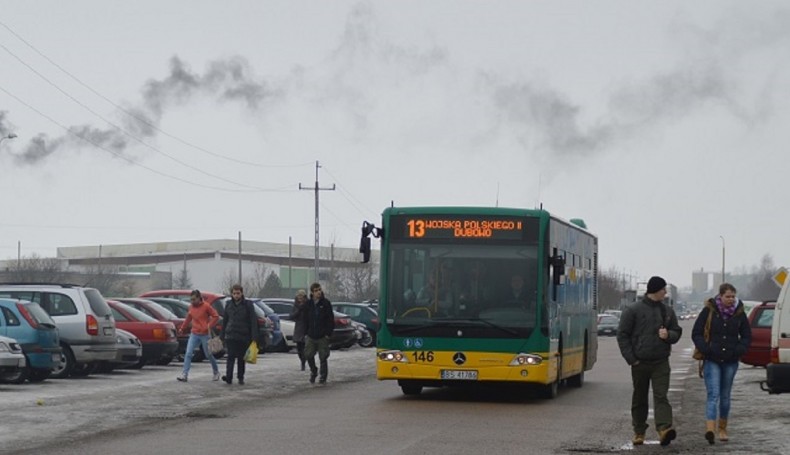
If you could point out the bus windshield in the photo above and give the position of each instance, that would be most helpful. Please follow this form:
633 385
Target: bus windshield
463 285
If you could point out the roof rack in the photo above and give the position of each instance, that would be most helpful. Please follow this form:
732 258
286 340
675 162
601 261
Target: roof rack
62 285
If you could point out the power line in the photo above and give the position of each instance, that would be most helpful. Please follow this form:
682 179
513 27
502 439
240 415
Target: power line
117 127
135 163
141 119
343 193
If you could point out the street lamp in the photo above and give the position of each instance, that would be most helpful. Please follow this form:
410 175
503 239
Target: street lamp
723 280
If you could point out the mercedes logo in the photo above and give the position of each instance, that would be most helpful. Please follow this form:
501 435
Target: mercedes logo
459 358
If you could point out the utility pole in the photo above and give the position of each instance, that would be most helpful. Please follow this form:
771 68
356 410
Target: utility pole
239 258
316 189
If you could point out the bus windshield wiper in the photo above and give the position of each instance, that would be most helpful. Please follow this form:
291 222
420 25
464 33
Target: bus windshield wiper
496 326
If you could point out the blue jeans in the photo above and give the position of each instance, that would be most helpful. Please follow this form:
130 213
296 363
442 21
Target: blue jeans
718 381
194 339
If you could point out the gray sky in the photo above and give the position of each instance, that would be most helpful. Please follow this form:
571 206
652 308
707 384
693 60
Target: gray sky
662 124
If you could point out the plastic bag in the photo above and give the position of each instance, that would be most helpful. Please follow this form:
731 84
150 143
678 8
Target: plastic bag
251 356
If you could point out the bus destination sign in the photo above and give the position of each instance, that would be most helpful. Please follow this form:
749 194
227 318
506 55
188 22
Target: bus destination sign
460 227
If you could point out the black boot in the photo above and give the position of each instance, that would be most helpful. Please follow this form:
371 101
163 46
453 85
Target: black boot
303 362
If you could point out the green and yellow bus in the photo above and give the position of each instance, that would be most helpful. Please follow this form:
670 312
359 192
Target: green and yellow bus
486 295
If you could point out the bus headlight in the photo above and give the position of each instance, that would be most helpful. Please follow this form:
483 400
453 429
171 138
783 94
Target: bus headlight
393 356
526 359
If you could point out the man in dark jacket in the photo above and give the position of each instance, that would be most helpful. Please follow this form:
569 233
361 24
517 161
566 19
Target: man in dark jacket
319 322
239 329
647 331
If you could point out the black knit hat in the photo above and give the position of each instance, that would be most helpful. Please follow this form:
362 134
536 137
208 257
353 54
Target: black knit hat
655 284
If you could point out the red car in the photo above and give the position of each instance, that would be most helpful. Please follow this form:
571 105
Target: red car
212 298
157 337
159 313
760 320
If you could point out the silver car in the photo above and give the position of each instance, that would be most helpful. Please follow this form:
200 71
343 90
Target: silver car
84 320
11 357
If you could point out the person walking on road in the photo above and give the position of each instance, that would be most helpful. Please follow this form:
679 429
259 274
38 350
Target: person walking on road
202 317
297 315
648 329
319 320
728 340
239 329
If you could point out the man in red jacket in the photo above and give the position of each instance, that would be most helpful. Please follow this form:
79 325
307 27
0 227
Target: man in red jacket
202 316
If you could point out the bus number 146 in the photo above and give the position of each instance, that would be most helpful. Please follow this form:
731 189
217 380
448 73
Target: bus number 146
422 356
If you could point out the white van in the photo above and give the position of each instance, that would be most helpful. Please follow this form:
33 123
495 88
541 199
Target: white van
778 371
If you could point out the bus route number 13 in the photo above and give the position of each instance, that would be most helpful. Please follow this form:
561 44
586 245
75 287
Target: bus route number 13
422 356
416 228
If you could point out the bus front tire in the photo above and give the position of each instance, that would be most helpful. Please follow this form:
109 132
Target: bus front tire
411 389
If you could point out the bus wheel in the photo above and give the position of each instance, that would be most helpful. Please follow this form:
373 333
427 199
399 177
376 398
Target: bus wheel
411 389
551 391
576 381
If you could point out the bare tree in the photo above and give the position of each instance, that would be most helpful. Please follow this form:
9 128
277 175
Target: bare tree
762 286
35 269
610 292
357 283
106 279
253 282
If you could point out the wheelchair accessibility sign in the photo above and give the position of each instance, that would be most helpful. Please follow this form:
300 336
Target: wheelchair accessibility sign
412 342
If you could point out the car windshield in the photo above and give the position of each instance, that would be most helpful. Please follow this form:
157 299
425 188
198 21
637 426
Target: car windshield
175 306
38 314
136 314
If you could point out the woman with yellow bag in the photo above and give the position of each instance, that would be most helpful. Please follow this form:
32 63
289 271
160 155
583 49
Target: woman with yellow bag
239 329
727 339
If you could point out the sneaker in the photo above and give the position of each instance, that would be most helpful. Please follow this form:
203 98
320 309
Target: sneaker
227 381
216 376
182 378
638 439
667 435
312 378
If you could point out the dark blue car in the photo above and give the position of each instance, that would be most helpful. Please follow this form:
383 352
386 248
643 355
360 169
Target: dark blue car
36 332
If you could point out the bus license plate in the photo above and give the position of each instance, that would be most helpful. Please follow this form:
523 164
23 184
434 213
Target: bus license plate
463 375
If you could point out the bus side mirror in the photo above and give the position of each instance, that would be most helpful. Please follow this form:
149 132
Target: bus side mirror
368 229
364 248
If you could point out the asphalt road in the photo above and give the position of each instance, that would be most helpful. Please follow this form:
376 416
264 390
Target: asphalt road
278 411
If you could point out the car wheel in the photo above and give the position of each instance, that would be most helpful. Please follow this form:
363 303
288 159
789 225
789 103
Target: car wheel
17 377
63 368
136 366
38 375
164 361
82 370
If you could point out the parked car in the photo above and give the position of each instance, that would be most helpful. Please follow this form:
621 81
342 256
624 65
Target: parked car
364 338
278 339
265 325
36 333
130 352
158 338
344 335
281 306
761 317
360 312
181 309
11 357
213 298
608 324
159 313
84 320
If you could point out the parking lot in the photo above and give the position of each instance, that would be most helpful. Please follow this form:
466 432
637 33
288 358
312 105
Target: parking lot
65 410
